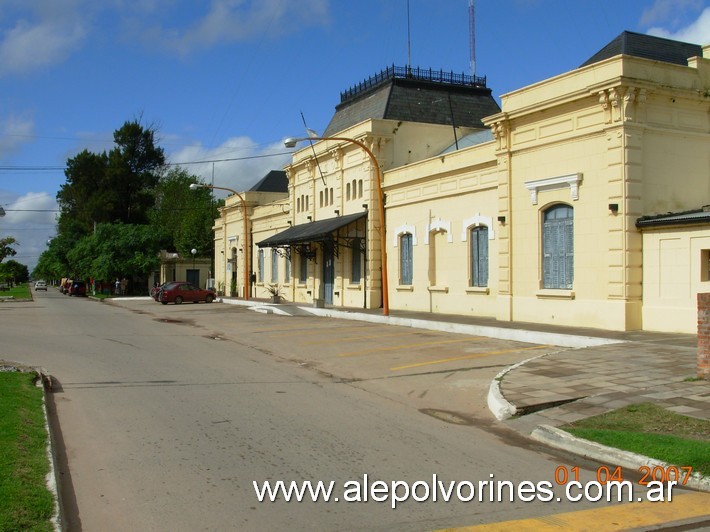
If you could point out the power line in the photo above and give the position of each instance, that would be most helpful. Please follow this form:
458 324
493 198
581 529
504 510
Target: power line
183 163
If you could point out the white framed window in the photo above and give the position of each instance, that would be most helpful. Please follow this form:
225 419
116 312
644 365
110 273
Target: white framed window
558 247
405 259
478 256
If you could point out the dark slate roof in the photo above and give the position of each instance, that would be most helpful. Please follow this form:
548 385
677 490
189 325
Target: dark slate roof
274 181
697 216
310 232
415 95
647 47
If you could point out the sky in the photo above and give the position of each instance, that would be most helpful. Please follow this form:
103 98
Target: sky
225 81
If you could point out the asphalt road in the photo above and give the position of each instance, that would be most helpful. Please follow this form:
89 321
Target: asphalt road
166 415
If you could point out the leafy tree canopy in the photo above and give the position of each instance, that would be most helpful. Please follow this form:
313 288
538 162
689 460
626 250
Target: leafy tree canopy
6 249
14 271
117 186
184 217
115 250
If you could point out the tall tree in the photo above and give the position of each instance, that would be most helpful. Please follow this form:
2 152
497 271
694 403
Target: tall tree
116 186
135 165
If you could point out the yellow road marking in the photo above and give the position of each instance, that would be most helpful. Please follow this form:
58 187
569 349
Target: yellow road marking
619 517
467 357
408 346
301 330
341 339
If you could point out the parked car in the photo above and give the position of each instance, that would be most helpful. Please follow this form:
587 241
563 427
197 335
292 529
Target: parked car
181 291
77 288
41 285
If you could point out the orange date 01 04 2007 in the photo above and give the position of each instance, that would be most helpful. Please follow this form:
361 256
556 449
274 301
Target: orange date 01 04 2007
605 474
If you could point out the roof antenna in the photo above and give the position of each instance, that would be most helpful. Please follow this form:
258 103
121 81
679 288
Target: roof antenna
312 133
409 44
472 37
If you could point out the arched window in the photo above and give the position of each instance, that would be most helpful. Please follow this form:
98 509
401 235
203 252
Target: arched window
405 259
558 247
478 253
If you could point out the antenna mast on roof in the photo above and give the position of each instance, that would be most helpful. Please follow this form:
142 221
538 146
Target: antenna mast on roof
472 36
409 45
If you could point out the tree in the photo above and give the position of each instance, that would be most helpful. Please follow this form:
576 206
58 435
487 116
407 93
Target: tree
6 247
116 186
135 165
183 217
116 250
14 271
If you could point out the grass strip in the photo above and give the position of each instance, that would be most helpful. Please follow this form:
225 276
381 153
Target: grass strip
25 501
652 431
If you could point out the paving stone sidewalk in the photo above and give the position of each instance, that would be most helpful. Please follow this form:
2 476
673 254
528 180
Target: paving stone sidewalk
570 385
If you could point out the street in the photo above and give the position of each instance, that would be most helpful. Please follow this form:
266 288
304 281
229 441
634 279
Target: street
166 416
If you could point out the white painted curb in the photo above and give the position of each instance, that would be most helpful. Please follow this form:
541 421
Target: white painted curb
559 439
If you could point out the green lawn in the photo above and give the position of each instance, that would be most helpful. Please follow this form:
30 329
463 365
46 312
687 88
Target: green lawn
652 431
25 501
19 291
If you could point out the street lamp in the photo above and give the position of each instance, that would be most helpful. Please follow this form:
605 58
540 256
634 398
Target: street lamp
194 252
291 143
195 186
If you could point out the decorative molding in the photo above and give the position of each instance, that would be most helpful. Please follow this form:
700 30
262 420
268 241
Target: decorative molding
442 289
547 293
404 230
477 221
553 183
478 290
438 225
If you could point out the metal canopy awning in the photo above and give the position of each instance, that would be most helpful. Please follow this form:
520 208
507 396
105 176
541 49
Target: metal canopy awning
310 232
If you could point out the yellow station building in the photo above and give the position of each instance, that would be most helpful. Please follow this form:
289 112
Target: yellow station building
581 200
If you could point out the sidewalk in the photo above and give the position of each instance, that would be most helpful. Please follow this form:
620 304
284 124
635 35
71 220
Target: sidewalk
604 371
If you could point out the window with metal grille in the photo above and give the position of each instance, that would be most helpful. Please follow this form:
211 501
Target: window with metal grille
558 247
274 266
356 273
479 256
261 265
303 269
405 259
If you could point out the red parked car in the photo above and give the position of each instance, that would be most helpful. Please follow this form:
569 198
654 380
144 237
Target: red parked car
182 292
77 288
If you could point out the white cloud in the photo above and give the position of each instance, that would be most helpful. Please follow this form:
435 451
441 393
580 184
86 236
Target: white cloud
669 12
697 32
14 132
228 21
31 220
41 34
252 162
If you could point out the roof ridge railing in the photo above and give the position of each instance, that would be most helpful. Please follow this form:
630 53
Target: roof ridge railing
420 74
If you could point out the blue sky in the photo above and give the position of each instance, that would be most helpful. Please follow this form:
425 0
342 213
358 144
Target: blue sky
229 79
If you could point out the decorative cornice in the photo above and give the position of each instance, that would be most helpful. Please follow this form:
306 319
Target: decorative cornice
552 183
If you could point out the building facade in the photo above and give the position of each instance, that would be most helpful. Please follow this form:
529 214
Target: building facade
528 212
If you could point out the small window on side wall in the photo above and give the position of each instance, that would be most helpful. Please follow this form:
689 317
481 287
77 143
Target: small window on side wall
705 265
405 259
479 256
